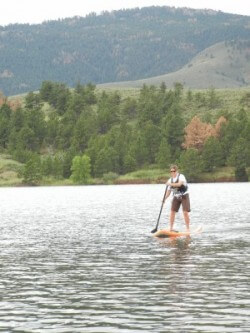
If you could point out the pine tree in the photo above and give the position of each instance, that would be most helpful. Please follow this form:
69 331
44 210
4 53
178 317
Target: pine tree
32 170
212 154
191 164
163 157
239 159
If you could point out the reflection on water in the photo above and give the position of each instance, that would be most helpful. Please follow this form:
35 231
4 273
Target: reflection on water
82 259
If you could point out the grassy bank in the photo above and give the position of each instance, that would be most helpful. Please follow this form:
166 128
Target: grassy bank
9 171
158 176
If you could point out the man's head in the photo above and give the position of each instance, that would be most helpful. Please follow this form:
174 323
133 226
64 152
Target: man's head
173 169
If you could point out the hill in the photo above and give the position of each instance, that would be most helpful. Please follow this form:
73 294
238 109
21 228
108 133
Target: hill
115 46
223 65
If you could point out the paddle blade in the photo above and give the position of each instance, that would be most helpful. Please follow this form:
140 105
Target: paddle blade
154 230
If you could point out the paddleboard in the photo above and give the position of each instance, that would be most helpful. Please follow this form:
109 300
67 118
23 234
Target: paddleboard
164 233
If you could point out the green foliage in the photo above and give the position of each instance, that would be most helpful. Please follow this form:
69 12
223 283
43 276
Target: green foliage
191 164
173 129
5 115
31 172
116 141
107 160
238 157
109 177
241 175
212 154
164 157
81 167
107 111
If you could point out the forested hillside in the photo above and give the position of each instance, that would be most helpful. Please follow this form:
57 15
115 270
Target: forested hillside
222 65
116 46
86 133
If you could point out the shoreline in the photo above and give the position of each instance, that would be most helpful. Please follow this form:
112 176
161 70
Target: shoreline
121 182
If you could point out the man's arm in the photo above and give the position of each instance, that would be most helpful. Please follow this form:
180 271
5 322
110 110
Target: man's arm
179 184
167 195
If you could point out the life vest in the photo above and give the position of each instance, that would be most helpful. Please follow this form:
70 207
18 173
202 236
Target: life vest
179 190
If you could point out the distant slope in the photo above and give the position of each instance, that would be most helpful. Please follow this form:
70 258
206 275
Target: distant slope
223 65
115 46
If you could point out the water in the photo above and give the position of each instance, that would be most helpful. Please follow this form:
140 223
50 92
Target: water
82 259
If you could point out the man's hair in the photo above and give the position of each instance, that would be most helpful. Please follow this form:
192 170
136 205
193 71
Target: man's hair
173 166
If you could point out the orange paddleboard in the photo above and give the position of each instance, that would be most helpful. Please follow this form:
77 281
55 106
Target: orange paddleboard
164 233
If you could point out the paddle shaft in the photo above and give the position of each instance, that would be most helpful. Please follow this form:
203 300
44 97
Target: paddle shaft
154 230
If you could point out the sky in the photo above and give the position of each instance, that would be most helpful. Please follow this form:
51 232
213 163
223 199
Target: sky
37 11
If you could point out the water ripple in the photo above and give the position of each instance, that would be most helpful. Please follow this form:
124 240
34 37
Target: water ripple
82 259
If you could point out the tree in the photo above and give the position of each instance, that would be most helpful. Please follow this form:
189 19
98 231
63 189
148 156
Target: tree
57 166
163 157
191 164
173 129
152 138
196 133
213 100
212 154
149 108
80 168
219 125
33 101
84 129
32 170
239 159
28 139
5 114
129 163
129 108
139 149
106 161
107 111
46 166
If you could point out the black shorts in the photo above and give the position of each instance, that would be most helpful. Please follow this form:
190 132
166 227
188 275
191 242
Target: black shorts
183 200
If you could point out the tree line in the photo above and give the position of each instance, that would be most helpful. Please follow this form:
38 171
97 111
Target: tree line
83 132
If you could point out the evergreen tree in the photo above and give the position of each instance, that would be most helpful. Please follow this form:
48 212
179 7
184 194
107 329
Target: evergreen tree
32 170
239 159
152 138
173 130
57 166
129 163
191 164
107 111
5 114
150 106
139 149
33 101
212 154
106 161
164 157
47 166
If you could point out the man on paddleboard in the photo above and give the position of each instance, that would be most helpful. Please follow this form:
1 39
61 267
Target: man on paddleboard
177 185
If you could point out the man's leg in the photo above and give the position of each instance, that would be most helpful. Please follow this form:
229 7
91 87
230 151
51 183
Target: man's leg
186 210
172 218
186 218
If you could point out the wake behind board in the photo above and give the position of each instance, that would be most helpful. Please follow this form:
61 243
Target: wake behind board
164 233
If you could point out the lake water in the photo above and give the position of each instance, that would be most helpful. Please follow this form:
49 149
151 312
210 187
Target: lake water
82 259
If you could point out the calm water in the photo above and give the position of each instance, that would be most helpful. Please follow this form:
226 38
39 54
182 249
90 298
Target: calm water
82 259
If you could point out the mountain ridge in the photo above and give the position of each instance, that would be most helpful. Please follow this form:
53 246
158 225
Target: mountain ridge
115 46
223 65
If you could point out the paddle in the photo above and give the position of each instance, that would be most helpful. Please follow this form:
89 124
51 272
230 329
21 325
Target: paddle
156 228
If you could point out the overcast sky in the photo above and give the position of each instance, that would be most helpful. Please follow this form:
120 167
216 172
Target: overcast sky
37 11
